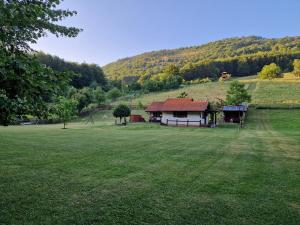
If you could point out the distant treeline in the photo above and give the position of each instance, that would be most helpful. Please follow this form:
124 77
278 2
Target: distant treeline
85 74
238 66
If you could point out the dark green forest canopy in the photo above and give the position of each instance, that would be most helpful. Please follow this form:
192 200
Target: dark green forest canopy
86 74
239 56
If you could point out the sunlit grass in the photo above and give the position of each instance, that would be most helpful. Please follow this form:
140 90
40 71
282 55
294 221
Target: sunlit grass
150 174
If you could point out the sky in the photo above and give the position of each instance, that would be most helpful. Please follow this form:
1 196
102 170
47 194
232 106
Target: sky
115 29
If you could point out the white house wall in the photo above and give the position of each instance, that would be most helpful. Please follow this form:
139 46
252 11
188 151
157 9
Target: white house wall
196 117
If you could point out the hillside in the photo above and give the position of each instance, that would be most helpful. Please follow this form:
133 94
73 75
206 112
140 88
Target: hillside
283 92
246 49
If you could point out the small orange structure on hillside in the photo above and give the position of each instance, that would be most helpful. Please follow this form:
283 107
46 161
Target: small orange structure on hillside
225 76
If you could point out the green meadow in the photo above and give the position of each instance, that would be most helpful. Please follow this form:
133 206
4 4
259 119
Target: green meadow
150 174
282 91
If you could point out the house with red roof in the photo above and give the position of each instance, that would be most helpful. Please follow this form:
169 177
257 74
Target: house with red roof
180 112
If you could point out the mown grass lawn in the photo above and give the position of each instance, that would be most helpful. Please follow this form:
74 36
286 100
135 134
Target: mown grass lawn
148 174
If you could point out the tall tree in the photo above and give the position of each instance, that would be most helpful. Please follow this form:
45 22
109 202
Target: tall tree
237 94
25 84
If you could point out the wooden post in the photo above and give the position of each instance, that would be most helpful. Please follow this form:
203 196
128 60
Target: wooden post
187 123
215 114
176 122
167 121
199 123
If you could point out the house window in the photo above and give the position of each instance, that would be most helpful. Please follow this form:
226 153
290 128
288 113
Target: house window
180 114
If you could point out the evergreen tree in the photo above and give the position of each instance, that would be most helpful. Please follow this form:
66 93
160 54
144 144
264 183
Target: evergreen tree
237 94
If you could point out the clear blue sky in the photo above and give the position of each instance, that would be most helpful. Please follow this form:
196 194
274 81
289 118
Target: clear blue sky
115 29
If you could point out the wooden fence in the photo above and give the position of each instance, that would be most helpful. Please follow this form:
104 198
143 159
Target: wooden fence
184 122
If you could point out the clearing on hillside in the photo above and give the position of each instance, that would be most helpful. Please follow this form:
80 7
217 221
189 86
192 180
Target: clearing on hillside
264 92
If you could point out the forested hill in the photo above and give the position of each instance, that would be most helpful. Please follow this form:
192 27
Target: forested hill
86 74
239 56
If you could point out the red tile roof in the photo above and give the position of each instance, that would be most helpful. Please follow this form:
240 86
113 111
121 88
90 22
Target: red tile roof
154 107
178 104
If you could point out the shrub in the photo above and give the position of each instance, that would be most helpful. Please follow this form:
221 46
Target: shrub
182 95
270 71
296 65
153 85
114 93
140 105
200 81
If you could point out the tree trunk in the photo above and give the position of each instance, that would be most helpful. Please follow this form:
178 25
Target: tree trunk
64 125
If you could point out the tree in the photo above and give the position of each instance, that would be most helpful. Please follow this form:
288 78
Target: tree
87 96
26 85
296 65
182 95
172 82
135 86
122 111
237 94
84 97
171 69
114 93
90 110
270 71
153 85
65 109
99 96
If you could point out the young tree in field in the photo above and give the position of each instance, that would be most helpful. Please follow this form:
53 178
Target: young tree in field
114 93
296 65
65 109
25 84
122 111
270 71
182 95
237 94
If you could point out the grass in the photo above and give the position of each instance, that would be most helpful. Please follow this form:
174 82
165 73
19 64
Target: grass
282 91
210 91
275 92
149 174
